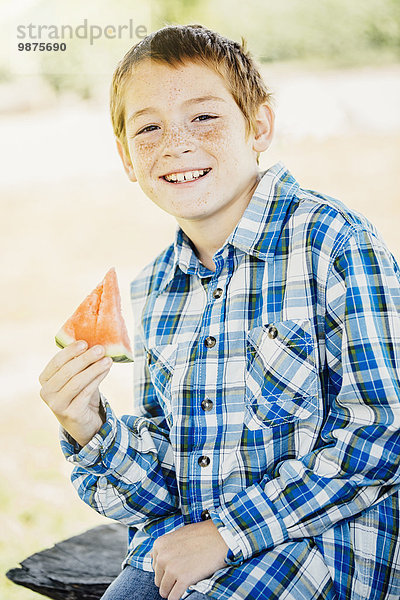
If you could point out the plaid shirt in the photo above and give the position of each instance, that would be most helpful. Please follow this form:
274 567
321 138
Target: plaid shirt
267 398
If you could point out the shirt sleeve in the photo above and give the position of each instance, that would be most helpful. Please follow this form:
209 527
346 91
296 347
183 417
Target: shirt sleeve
126 472
356 462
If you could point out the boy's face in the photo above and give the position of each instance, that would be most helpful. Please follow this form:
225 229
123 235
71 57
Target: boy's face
187 140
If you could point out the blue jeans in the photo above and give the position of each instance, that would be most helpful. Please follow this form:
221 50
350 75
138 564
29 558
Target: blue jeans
134 584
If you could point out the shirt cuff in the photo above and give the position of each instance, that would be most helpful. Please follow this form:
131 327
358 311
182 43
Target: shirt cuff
92 453
234 555
249 524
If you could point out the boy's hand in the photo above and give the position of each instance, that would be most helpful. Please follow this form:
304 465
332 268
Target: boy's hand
185 556
70 387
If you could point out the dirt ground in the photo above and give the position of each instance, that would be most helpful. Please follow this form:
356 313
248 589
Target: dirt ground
68 214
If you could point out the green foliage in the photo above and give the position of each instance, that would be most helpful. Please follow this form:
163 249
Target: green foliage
328 32
334 32
171 12
91 54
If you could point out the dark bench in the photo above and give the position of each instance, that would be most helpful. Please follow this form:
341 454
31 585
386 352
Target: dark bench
79 568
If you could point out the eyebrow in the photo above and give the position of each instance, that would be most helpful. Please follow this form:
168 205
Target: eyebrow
198 100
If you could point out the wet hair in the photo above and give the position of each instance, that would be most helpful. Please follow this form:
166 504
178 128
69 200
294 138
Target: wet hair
178 44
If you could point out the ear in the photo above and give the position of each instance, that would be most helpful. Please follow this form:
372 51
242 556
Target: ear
264 129
126 161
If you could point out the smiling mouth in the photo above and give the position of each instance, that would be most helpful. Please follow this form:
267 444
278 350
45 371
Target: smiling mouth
185 176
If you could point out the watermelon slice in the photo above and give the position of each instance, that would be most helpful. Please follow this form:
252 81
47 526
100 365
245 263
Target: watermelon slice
98 320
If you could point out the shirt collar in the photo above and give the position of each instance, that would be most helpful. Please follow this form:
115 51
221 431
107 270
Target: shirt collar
183 257
258 230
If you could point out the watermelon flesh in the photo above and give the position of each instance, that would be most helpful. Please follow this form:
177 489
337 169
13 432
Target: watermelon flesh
98 320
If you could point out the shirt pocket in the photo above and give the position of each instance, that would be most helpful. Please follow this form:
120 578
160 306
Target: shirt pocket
281 374
161 361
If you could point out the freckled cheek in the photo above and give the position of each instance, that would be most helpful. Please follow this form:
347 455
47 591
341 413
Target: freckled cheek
219 142
215 137
142 155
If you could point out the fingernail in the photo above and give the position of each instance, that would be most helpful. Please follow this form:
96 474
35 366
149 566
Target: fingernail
106 361
82 345
98 350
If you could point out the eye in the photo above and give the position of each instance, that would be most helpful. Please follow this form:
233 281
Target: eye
147 129
205 117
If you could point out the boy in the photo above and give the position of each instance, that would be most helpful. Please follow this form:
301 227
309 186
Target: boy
263 460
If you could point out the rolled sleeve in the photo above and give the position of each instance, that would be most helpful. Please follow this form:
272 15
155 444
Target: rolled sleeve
91 455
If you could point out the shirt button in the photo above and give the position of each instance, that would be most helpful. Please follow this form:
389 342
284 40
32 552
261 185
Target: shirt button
217 293
207 404
210 341
205 515
204 461
272 332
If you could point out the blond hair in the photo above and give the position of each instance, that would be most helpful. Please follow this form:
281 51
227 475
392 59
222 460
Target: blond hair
178 44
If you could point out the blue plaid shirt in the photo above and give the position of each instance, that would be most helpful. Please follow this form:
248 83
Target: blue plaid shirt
266 398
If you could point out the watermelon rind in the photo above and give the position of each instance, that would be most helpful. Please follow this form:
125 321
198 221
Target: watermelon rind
117 352
123 358
63 339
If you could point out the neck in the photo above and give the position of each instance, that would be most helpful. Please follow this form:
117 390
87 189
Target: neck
209 234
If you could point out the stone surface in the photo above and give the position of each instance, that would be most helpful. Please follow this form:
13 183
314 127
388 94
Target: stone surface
79 568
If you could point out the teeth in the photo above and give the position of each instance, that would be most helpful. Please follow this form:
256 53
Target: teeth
188 176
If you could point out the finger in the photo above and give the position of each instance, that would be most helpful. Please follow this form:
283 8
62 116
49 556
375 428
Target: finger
61 401
62 357
73 367
167 583
75 386
82 398
177 591
158 573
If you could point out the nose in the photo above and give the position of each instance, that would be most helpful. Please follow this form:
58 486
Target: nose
177 141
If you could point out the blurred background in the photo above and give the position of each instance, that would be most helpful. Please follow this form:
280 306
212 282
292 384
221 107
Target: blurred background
68 212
